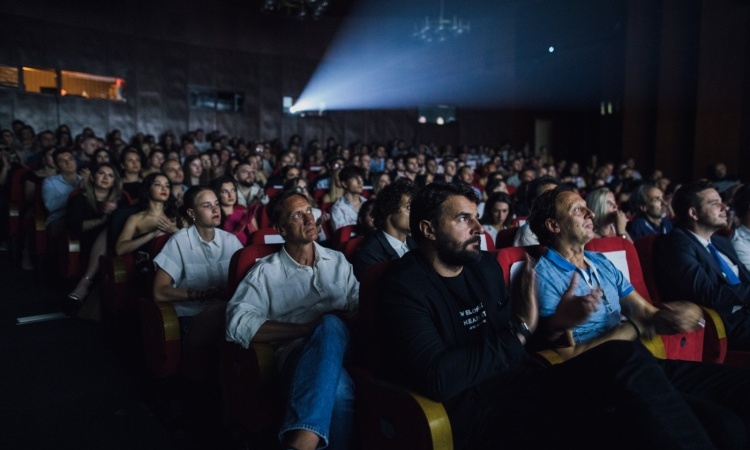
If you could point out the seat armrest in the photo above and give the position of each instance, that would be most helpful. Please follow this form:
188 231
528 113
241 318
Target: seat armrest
715 337
393 417
160 330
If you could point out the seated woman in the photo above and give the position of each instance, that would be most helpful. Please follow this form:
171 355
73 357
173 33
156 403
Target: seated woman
609 221
498 214
235 218
131 160
191 270
365 220
193 170
87 217
156 216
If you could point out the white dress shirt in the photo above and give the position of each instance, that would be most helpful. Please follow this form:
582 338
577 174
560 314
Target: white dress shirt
196 264
399 247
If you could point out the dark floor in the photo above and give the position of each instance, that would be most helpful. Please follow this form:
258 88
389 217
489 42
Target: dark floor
73 384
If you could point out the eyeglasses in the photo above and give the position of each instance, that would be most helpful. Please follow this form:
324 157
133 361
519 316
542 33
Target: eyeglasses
301 189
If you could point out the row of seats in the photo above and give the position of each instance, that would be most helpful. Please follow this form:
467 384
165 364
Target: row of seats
387 416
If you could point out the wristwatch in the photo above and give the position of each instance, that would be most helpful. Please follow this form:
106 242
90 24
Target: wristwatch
519 326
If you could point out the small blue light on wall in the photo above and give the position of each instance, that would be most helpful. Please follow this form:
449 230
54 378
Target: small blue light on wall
551 49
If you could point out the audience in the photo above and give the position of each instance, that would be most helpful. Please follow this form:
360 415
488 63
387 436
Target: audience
609 220
582 293
498 214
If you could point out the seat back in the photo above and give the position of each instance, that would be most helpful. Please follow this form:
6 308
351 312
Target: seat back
266 236
351 246
248 376
486 243
505 237
244 259
344 234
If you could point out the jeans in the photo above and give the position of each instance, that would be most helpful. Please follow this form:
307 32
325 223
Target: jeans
321 395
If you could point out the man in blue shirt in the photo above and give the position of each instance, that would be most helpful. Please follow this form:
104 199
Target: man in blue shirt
583 297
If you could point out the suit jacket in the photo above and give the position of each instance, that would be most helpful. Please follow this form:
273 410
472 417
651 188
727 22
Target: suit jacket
687 271
375 250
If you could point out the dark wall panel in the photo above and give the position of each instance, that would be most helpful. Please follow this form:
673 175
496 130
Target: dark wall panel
40 111
79 112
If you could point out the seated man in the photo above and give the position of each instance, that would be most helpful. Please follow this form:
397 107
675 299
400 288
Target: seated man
454 334
585 293
647 201
693 262
391 214
294 300
344 211
524 235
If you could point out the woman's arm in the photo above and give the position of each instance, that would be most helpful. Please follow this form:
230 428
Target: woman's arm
126 243
164 292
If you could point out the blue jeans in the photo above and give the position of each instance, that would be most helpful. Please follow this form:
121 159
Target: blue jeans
321 395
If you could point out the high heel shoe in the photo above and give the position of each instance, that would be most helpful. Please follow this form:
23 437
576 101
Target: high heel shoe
81 291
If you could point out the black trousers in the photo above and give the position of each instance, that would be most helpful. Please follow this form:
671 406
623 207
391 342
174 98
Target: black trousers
614 396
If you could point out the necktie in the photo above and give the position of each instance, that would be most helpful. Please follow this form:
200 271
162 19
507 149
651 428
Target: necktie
728 273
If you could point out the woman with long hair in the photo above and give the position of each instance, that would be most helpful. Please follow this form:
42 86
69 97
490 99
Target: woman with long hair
191 270
498 214
87 218
157 215
155 159
235 218
609 220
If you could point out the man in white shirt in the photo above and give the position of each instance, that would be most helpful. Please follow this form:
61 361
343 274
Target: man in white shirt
346 209
295 299
391 216
248 191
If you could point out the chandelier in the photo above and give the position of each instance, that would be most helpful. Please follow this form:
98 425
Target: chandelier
440 29
301 9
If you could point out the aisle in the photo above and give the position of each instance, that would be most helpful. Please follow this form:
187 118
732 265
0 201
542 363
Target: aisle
62 385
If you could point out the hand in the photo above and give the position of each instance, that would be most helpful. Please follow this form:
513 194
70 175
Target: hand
574 310
527 306
621 222
85 173
165 225
109 207
676 317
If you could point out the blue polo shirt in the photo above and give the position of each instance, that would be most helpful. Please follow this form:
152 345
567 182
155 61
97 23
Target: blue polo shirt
553 275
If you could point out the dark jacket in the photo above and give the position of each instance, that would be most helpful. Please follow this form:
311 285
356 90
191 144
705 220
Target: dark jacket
432 347
375 250
685 270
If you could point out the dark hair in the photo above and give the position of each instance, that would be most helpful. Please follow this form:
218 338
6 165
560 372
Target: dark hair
427 203
638 196
497 197
388 200
276 205
534 189
170 206
350 172
60 151
216 184
130 150
545 207
686 197
363 229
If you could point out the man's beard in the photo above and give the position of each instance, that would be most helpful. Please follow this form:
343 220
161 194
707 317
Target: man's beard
457 254
245 183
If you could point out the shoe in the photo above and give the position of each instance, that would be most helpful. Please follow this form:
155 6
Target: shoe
81 291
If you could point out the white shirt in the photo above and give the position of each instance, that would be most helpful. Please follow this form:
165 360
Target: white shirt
196 264
278 288
399 247
491 230
343 212
524 236
741 243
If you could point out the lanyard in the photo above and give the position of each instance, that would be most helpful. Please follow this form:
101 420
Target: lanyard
594 279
